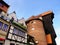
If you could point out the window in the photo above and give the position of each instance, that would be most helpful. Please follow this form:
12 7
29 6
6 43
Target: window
11 31
15 31
9 36
12 27
18 32
1 24
5 27
25 40
1 43
19 38
33 28
12 44
21 33
17 44
22 39
14 37
32 22
40 18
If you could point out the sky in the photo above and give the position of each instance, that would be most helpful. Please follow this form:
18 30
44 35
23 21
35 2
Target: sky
27 8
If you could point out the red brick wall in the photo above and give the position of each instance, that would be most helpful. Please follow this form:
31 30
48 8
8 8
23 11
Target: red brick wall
35 29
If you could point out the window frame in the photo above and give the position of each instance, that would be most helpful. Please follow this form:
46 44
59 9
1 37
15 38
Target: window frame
15 30
5 27
2 25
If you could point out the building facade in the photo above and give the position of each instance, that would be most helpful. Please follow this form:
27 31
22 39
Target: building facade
22 21
50 32
4 27
4 24
41 28
11 32
12 15
17 35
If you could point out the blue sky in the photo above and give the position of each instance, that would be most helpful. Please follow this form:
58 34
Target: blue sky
27 8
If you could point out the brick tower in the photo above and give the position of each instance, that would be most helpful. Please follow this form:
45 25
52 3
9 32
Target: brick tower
37 27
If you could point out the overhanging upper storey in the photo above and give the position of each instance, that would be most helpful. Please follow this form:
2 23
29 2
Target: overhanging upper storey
3 6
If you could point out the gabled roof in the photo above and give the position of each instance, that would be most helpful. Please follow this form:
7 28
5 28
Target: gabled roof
13 15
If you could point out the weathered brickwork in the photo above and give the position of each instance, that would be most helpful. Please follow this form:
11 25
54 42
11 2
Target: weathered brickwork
35 29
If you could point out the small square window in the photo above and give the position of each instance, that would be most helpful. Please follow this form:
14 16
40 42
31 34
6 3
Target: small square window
19 38
15 31
11 31
12 44
9 36
12 27
40 18
33 22
33 28
13 37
